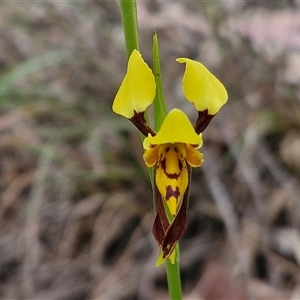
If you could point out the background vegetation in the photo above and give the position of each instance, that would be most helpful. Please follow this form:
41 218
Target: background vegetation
75 208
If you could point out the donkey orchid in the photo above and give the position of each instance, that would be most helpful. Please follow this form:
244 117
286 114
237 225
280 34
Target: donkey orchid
173 149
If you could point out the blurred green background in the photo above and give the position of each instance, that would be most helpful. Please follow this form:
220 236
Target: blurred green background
76 210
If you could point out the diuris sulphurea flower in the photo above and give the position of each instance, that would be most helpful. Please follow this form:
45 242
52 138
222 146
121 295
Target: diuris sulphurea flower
170 151
173 150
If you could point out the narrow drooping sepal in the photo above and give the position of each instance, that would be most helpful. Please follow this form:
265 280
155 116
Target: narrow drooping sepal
137 90
161 222
176 230
202 88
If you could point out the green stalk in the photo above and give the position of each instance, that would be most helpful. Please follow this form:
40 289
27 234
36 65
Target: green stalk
130 28
129 19
173 277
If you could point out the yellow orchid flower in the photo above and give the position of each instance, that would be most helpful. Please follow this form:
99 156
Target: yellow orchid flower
173 149
170 151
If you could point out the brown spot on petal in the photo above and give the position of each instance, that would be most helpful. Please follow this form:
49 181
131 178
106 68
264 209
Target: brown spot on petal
163 165
180 165
171 193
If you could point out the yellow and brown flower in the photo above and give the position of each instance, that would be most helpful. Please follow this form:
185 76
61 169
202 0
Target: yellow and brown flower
174 148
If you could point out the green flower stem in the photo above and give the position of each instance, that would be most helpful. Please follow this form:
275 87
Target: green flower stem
129 18
130 28
173 277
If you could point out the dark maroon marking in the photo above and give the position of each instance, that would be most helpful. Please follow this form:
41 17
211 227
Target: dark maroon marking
202 121
140 123
169 175
180 165
163 165
173 175
171 193
167 149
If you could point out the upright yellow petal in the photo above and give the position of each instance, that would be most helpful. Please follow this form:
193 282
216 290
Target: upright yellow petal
151 156
137 90
202 88
176 128
193 157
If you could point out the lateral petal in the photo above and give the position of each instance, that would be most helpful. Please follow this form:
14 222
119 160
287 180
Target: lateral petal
137 90
193 156
202 88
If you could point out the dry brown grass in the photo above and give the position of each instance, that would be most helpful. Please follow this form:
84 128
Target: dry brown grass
75 209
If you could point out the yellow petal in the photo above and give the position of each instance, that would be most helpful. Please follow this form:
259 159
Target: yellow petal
137 90
176 128
193 156
150 156
172 205
202 88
